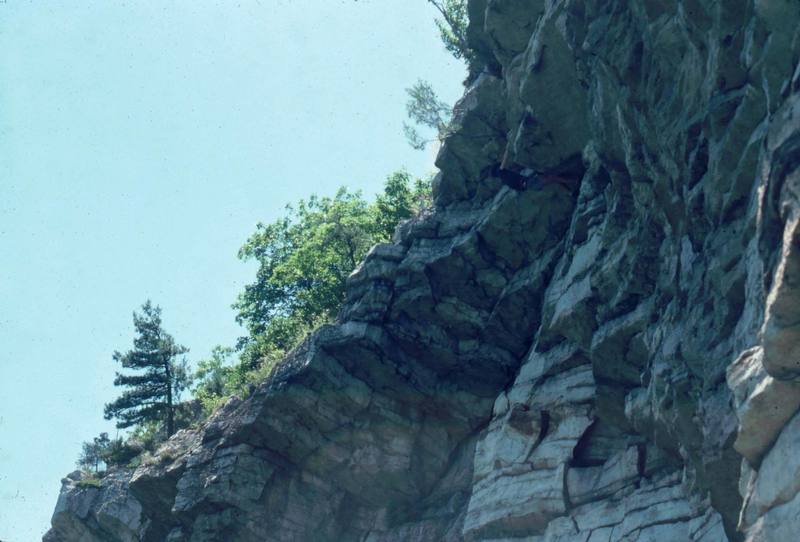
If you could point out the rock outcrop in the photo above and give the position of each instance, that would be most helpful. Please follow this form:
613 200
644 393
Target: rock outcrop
611 354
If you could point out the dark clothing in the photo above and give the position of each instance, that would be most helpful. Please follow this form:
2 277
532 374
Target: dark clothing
535 181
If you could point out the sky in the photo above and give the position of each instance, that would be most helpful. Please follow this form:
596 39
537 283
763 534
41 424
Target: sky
140 143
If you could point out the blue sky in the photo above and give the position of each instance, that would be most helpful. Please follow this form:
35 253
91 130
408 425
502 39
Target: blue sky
140 143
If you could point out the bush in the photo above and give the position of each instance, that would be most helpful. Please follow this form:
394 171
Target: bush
120 453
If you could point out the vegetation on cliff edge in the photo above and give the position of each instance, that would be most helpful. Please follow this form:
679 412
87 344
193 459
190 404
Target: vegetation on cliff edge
304 259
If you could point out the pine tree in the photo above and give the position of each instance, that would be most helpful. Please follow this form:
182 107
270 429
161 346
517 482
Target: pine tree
154 389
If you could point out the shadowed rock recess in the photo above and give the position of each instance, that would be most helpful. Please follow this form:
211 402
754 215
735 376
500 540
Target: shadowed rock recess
613 356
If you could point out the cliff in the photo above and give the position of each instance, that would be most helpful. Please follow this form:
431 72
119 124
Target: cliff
609 354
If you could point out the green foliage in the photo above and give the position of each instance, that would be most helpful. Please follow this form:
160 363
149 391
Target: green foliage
153 390
453 26
110 452
120 453
304 260
92 453
453 31
147 435
425 109
217 378
402 199
213 374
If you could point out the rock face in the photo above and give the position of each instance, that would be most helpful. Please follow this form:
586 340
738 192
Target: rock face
611 354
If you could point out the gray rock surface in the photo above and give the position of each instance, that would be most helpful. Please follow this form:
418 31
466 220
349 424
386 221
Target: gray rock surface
89 513
609 356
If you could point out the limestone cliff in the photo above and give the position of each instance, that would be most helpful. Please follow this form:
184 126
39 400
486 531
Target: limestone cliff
610 354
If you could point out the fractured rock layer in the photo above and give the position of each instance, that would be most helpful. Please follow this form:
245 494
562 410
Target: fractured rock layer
608 357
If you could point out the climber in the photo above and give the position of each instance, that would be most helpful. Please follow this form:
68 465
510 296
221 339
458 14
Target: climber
529 179
515 180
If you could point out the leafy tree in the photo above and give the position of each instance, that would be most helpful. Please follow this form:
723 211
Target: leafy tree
402 198
213 374
453 32
153 390
304 260
92 452
218 377
305 257
425 109
453 26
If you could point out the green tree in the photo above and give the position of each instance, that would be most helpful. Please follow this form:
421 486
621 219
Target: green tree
453 26
218 377
402 198
92 452
425 109
154 388
453 32
214 374
304 259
